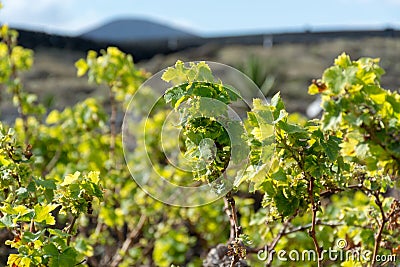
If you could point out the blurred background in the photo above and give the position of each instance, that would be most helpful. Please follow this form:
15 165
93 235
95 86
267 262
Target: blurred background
281 45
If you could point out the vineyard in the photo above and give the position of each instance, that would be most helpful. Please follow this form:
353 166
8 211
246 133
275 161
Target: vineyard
204 170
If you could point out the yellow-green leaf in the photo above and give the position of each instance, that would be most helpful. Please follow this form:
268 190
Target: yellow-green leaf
313 89
343 60
70 178
94 177
53 117
82 67
42 213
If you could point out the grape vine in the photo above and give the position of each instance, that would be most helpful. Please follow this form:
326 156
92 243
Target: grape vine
68 198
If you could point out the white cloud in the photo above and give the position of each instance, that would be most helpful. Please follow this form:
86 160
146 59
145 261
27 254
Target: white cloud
39 10
47 15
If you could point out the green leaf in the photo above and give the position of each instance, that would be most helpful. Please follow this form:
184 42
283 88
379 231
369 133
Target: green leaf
361 150
286 206
232 92
280 175
169 75
31 237
245 239
207 149
174 94
211 108
343 60
94 177
177 74
331 147
16 210
57 232
83 246
48 184
7 221
291 128
395 103
22 192
278 106
204 72
53 117
70 178
67 258
43 215
334 79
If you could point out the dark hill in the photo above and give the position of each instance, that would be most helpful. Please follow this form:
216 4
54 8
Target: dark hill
128 30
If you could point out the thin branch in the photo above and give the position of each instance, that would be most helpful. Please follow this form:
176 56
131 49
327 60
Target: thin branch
128 242
52 163
201 241
235 229
32 226
278 237
372 133
81 262
70 229
314 208
286 230
378 236
307 226
385 219
331 191
232 223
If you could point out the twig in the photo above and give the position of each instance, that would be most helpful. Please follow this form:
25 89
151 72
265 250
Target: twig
314 208
32 226
235 229
116 260
307 226
385 219
201 241
378 236
374 138
79 263
288 230
277 238
70 229
232 221
52 162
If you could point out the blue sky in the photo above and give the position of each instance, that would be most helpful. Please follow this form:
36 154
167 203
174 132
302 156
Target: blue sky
205 17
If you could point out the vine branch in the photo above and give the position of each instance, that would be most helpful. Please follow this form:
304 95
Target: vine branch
230 210
70 229
314 208
278 237
116 260
236 249
378 237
